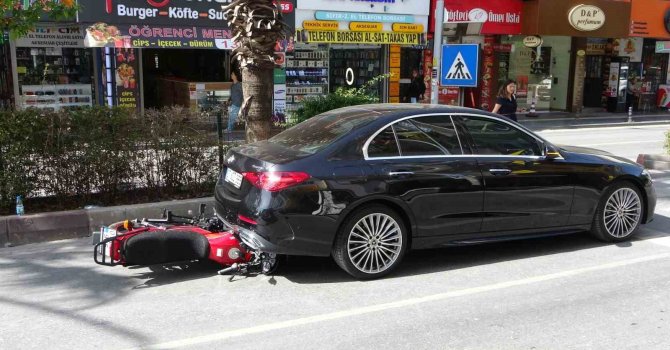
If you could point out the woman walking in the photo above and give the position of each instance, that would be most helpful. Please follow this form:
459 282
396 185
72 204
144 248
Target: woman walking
506 102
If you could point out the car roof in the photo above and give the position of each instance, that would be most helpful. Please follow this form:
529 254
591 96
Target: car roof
398 110
389 112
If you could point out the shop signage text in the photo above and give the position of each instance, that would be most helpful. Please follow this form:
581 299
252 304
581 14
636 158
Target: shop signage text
127 78
350 37
650 19
365 27
408 28
410 7
586 18
478 15
498 17
123 36
48 36
363 17
532 41
321 25
166 12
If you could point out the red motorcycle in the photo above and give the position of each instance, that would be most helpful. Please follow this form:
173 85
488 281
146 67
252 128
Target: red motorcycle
173 239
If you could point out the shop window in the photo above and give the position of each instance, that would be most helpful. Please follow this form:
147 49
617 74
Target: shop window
366 64
53 78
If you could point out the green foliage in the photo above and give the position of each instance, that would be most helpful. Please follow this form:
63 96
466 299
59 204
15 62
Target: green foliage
342 97
104 156
18 17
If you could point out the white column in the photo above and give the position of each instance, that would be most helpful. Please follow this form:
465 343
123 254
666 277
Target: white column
437 51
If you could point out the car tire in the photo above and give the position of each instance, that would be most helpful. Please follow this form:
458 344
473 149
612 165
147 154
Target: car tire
619 213
371 242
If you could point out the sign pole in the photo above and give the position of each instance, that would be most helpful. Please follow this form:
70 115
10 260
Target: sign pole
437 51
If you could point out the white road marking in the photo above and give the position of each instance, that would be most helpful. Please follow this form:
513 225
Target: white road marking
394 305
603 128
619 143
664 241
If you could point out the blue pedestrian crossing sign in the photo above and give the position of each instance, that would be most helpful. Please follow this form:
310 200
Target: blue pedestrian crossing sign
460 65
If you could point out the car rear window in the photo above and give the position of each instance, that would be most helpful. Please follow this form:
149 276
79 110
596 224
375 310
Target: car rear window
322 130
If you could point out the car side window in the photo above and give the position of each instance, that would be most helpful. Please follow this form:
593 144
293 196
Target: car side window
492 137
441 129
414 142
384 145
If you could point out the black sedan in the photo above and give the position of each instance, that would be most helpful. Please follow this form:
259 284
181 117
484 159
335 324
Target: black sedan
364 184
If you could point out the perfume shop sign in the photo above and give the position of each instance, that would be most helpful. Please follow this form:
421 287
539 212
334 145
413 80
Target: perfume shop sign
53 36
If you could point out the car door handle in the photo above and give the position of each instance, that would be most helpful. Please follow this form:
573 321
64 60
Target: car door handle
500 172
401 173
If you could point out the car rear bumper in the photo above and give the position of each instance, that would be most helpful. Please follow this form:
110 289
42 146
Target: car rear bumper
284 233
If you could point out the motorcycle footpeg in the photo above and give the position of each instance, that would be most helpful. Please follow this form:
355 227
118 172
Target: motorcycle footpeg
234 269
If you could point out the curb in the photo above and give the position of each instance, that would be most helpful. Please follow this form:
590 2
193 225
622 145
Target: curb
654 161
53 226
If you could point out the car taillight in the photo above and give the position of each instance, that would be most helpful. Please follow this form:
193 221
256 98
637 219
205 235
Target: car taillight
275 181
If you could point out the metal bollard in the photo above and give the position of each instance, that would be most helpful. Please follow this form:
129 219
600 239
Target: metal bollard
630 114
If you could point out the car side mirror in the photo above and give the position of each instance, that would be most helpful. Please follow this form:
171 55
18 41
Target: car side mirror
551 152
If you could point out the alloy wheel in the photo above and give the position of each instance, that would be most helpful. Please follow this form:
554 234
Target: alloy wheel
622 212
374 243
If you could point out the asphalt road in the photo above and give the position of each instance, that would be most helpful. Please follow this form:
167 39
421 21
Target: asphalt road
565 292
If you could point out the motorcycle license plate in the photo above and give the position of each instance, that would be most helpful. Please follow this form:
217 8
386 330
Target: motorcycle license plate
106 232
234 178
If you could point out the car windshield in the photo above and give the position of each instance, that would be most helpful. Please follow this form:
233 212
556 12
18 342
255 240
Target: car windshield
322 130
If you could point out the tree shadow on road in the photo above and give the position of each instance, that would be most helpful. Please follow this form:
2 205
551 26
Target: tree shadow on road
38 270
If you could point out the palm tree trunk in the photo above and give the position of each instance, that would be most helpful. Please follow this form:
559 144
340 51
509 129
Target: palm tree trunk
257 86
257 25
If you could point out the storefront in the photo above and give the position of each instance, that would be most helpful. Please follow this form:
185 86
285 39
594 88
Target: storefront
155 54
580 37
347 49
650 23
487 24
148 65
52 69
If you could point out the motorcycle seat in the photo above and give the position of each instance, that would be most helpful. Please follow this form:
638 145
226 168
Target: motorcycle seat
161 247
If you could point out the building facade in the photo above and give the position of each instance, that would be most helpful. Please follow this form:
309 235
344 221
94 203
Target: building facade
569 55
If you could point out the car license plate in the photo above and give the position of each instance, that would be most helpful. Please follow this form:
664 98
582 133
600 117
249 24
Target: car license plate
234 178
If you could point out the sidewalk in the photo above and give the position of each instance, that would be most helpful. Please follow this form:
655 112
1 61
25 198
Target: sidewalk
555 119
52 226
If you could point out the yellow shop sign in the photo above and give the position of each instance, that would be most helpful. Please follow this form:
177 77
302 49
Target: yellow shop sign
351 37
320 25
366 27
407 28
